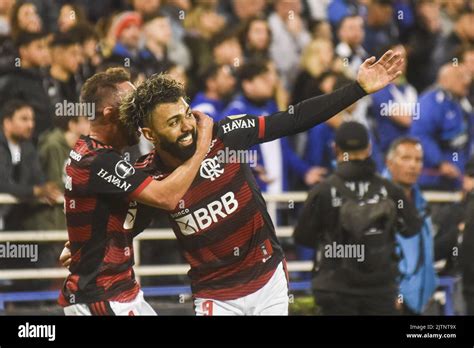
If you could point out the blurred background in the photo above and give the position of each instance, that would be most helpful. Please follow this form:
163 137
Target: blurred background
234 57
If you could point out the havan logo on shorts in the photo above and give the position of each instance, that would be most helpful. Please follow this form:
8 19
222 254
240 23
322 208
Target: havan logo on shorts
202 218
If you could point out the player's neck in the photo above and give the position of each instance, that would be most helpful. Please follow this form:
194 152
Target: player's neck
169 160
108 135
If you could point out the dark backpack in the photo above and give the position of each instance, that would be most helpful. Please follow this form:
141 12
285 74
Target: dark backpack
368 222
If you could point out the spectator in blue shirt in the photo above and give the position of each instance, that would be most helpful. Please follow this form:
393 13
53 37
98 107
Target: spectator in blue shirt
338 9
218 84
445 129
394 107
380 30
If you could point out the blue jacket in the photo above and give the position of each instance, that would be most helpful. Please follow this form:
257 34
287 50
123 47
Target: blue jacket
211 107
387 129
418 277
290 161
446 134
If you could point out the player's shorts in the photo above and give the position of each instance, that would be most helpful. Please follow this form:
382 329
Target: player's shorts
136 307
272 299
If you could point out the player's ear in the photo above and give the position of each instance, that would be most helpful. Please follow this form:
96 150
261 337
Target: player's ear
148 134
108 112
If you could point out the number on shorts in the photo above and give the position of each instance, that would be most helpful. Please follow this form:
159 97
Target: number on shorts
207 307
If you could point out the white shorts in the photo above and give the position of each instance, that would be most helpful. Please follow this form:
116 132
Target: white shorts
136 307
272 299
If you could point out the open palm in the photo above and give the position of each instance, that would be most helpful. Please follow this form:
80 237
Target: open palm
375 75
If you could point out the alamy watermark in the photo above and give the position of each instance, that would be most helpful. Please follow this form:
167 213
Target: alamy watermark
19 251
345 251
396 109
237 156
69 109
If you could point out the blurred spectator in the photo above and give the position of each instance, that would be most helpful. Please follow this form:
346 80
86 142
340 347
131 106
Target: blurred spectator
146 7
201 25
255 38
70 15
127 51
66 58
25 18
445 129
450 12
158 36
54 148
335 219
178 73
161 43
289 38
20 170
226 49
421 70
318 9
338 9
394 108
468 61
280 94
275 158
450 46
321 30
350 34
404 17
317 58
418 277
6 7
467 248
25 78
218 85
91 57
380 30
244 10
177 11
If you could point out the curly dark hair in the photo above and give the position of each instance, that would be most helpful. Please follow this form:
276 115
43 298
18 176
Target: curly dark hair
136 110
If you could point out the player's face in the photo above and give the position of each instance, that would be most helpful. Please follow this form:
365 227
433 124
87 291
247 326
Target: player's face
174 129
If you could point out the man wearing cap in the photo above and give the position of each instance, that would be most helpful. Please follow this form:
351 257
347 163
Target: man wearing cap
351 219
127 51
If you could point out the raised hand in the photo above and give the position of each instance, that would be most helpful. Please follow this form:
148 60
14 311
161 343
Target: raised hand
375 75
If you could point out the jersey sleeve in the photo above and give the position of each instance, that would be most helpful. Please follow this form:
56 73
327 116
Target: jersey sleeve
241 131
111 174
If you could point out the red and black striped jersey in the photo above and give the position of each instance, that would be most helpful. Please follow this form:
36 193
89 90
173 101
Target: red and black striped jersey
99 189
222 224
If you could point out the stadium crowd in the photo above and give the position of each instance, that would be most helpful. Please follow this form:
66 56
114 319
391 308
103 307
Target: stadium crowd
247 57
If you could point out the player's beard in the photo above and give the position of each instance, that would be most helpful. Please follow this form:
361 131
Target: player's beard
180 151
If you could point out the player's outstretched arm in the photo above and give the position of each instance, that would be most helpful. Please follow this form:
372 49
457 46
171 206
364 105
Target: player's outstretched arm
167 193
372 76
